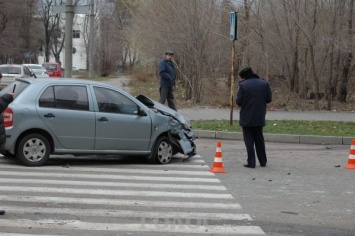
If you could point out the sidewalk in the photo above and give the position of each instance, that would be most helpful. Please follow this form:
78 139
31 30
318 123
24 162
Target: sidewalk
224 114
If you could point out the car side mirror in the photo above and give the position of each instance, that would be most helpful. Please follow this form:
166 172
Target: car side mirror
141 112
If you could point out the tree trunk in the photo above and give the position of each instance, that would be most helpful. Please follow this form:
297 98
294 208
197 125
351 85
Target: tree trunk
343 85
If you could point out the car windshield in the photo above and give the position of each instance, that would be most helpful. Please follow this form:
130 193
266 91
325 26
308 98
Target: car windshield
10 70
50 66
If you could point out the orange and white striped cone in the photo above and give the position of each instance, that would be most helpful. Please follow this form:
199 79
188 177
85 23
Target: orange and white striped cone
351 160
218 163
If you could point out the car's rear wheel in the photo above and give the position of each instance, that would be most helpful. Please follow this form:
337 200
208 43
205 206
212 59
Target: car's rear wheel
162 151
33 150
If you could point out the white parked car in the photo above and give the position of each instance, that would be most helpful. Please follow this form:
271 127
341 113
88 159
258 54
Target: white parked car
10 72
38 70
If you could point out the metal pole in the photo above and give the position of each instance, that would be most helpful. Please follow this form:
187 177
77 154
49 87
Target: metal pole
69 15
91 40
232 84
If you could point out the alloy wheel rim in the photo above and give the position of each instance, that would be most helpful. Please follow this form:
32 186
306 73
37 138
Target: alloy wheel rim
165 152
34 150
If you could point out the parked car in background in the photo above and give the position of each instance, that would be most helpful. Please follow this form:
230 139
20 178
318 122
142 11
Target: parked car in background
53 68
12 71
81 117
38 70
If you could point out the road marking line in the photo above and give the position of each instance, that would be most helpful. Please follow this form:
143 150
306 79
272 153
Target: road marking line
114 184
88 191
116 177
164 171
119 202
172 165
128 213
170 227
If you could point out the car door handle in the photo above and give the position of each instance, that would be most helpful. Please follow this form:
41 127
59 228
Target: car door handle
102 119
49 115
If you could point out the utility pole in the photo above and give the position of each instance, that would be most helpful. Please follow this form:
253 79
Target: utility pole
69 9
68 44
91 40
233 21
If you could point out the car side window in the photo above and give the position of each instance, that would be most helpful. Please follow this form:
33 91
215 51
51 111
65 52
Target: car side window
114 102
47 98
71 97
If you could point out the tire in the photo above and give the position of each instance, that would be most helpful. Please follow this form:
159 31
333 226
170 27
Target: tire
162 152
33 150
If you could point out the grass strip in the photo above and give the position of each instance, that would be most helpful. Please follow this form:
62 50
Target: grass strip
293 127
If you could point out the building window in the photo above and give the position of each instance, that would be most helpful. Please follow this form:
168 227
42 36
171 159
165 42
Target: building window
76 34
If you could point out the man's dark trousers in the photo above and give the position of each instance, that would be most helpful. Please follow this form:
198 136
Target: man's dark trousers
167 93
254 136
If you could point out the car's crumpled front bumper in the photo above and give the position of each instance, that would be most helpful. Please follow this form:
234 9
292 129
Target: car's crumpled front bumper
182 137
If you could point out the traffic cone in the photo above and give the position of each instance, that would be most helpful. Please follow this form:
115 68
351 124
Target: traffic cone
351 161
218 164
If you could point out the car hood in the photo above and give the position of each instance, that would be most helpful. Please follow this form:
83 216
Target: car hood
153 104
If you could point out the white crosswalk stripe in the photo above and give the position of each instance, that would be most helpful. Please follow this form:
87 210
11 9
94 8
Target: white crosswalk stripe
178 198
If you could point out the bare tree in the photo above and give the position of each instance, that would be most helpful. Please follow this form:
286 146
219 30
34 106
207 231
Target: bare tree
348 57
17 22
188 27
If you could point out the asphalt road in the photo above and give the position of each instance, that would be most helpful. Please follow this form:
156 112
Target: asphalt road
304 190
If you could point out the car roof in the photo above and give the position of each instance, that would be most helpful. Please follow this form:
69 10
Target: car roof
51 80
32 64
13 65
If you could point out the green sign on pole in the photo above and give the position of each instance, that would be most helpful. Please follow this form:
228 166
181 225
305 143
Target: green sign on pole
233 21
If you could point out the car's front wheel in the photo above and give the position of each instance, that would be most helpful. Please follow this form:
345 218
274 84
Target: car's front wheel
162 151
33 150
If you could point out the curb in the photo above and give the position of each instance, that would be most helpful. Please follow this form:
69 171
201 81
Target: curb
278 138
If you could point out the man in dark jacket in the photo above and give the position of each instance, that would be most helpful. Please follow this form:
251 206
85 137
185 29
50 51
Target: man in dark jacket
5 100
253 95
167 76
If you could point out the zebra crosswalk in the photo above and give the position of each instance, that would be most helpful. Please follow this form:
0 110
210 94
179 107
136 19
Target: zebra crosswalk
181 198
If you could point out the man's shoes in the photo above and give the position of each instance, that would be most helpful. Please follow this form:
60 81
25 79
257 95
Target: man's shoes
249 166
263 165
2 212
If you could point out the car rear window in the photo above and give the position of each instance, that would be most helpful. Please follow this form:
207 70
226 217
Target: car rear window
36 67
15 87
50 66
10 70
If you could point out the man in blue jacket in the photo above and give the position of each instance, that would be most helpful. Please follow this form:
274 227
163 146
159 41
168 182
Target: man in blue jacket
253 95
167 76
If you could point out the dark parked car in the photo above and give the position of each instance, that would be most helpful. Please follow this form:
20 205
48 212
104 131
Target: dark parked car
80 117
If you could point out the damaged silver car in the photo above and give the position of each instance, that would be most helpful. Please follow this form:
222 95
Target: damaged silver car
81 117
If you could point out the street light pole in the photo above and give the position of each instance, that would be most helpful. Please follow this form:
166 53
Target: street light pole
91 40
69 15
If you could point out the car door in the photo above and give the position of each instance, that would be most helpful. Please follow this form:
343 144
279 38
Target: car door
65 111
118 125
